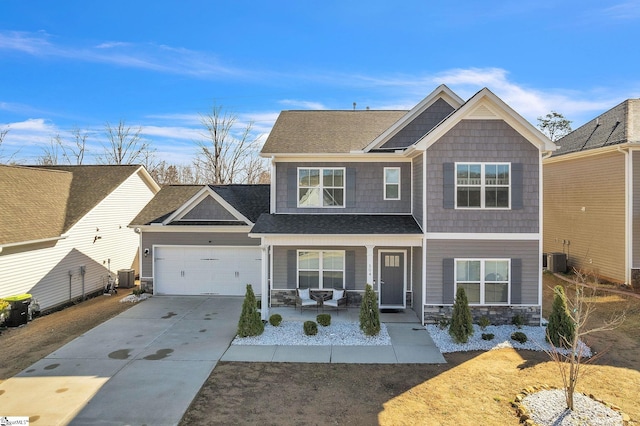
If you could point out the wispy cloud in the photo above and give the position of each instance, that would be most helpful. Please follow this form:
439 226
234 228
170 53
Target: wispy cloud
302 104
149 56
622 11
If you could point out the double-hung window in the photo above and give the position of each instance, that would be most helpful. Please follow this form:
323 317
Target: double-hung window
321 187
320 269
485 281
392 183
483 185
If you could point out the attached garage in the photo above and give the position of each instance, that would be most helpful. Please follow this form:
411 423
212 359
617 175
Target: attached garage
195 270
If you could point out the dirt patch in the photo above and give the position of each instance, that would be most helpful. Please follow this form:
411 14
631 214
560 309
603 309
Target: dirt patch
472 388
22 346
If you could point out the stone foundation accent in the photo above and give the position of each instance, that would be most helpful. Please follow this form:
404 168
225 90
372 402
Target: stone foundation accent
147 285
635 280
498 315
280 298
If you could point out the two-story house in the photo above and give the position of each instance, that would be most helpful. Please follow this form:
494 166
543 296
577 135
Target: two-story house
416 203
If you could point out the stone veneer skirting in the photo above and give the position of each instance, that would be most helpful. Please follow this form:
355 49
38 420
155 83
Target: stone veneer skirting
635 280
498 315
288 297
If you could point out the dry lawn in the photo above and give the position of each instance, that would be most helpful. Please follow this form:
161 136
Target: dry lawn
472 388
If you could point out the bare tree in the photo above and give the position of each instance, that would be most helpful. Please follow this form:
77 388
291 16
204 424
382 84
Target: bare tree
554 125
3 133
124 145
226 155
572 356
74 152
50 154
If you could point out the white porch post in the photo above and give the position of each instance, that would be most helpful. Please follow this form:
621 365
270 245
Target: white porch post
370 265
264 293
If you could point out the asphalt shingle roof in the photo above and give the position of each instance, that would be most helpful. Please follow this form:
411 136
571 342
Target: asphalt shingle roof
327 131
335 224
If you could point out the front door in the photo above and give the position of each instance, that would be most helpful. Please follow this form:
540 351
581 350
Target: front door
392 279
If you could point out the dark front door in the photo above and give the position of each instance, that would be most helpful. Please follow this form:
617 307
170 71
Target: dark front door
392 279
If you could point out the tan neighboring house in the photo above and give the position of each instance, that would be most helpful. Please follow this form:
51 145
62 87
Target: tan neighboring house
63 227
592 196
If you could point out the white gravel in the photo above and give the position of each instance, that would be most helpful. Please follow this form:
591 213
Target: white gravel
337 334
548 407
536 340
132 298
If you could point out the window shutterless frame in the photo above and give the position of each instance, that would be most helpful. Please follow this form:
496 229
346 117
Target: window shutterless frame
321 187
392 183
484 280
483 186
317 267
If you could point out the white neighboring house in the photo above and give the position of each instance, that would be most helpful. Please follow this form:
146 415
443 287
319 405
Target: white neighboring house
63 229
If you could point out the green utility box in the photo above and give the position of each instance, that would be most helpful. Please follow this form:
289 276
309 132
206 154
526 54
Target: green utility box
19 313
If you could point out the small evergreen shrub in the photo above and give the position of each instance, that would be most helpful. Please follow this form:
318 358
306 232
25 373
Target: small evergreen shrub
487 336
310 328
484 322
519 337
369 313
561 328
250 323
518 321
137 291
443 323
324 320
461 324
275 320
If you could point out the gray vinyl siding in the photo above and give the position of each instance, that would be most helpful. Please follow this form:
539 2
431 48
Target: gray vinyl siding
365 195
209 209
420 125
417 280
285 269
149 239
418 192
483 141
636 209
438 250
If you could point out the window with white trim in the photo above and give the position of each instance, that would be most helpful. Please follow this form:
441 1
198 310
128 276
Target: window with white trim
321 187
483 185
485 281
321 269
392 183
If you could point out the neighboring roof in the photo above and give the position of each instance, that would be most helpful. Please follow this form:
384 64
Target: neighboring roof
354 224
317 132
46 201
621 124
33 203
249 200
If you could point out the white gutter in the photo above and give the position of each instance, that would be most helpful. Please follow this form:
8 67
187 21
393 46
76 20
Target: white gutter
628 239
25 243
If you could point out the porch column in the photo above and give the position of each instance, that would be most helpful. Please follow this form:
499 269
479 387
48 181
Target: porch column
370 265
264 292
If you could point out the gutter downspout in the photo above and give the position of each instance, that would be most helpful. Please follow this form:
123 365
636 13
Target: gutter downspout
628 182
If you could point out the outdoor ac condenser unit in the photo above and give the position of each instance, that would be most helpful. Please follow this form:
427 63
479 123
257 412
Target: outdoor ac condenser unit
557 262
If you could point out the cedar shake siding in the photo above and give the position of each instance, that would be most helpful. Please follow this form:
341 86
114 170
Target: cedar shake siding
584 213
364 188
418 191
483 141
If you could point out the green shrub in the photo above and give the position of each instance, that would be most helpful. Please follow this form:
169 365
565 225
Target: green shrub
561 328
519 337
443 323
250 323
369 313
275 320
137 291
461 324
324 320
518 321
310 328
484 322
487 336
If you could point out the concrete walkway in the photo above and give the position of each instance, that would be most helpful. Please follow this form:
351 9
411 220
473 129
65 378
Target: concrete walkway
145 366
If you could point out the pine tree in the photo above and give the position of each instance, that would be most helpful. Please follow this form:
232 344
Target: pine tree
250 323
561 328
461 322
369 313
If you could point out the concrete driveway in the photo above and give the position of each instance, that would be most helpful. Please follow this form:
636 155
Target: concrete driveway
143 367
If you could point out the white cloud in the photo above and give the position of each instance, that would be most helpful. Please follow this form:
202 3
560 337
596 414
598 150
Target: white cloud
303 104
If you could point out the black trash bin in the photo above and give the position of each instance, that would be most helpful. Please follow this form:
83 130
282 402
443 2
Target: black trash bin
19 313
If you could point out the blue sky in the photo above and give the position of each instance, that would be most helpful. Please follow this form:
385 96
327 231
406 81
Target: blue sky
160 64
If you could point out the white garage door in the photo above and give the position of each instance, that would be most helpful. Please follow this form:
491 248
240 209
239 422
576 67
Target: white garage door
206 270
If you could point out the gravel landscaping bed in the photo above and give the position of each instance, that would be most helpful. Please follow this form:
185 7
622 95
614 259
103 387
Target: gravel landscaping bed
338 334
548 407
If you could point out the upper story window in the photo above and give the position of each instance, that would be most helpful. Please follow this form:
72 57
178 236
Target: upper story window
483 185
321 187
392 183
485 281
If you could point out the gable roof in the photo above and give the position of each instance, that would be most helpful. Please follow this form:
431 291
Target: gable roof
46 201
339 224
319 132
621 124
485 105
248 200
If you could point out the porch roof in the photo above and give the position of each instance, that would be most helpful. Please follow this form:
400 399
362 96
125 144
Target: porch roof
335 224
